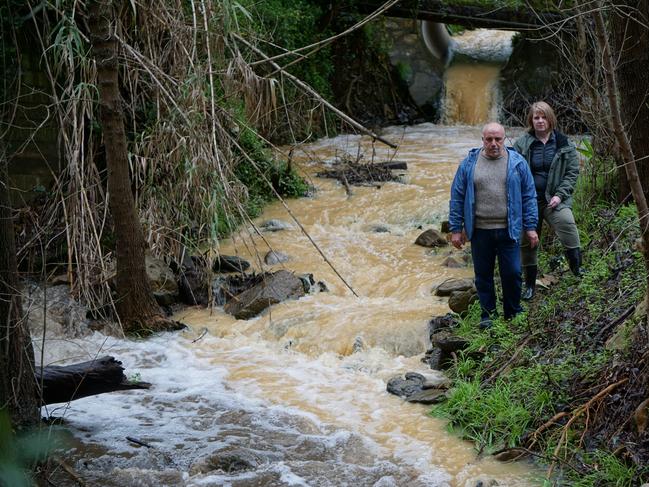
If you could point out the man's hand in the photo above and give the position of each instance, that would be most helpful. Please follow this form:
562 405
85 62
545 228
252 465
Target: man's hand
554 202
458 239
532 238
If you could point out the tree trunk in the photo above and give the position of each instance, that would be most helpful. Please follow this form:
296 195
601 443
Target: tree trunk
622 138
18 391
136 306
69 382
631 38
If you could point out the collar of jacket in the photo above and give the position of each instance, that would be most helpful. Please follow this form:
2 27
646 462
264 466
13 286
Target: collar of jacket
562 140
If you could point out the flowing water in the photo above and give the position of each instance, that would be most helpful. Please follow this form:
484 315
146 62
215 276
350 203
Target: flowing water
471 82
297 396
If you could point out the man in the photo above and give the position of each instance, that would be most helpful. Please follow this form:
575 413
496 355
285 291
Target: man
493 201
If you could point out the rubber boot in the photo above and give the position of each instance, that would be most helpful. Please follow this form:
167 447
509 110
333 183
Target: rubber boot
574 261
530 282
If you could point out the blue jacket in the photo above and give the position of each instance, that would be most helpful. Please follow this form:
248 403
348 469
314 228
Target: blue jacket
522 212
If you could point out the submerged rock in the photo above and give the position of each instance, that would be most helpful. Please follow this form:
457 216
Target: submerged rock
232 461
273 257
275 225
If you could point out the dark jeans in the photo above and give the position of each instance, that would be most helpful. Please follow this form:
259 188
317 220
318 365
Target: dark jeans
486 245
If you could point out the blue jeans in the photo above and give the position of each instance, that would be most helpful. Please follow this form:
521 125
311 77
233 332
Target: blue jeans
486 245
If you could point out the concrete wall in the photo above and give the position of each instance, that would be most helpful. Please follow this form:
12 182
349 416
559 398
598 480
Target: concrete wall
418 66
32 138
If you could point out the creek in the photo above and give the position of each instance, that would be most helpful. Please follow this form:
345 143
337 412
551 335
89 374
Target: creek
297 395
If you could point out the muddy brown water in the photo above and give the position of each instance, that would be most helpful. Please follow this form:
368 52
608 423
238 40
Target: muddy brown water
299 392
297 396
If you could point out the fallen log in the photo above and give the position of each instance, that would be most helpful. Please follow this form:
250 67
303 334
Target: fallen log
64 383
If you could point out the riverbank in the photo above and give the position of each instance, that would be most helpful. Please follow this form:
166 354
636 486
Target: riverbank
567 384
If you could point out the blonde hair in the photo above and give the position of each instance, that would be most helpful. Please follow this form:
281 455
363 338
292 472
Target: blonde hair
545 109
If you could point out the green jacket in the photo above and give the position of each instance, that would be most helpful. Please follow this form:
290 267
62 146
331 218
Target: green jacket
564 169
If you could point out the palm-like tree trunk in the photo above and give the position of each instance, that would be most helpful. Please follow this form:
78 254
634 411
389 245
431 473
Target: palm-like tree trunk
136 306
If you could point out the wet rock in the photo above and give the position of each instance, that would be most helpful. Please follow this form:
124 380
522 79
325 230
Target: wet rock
453 262
225 288
460 301
449 286
56 307
161 277
232 461
405 387
428 396
273 288
273 257
230 263
145 477
358 345
275 226
509 455
431 238
450 344
433 357
193 280
379 228
415 387
438 323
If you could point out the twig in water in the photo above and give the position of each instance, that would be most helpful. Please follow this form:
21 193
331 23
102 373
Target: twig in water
138 442
201 336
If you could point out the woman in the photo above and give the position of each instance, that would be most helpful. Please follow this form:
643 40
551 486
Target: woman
555 167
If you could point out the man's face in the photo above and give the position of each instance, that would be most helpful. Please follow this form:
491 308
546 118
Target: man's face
493 141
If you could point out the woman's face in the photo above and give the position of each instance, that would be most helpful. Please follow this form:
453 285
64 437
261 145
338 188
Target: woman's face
540 122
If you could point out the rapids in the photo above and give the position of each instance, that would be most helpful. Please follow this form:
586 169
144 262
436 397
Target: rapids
298 394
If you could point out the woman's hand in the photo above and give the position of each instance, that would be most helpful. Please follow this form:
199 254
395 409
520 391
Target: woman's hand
554 202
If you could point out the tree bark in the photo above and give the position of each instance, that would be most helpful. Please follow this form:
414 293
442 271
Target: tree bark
135 303
70 382
18 391
630 38
621 136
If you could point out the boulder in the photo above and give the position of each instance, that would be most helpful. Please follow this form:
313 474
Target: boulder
161 277
230 263
431 238
275 257
273 288
451 285
460 301
193 280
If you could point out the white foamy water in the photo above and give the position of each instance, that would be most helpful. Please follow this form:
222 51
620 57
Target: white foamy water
297 396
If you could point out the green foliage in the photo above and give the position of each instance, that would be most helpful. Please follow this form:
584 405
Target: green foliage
292 24
20 453
607 470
